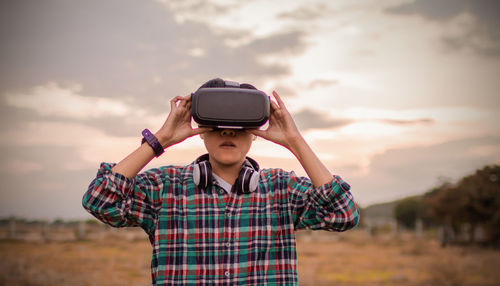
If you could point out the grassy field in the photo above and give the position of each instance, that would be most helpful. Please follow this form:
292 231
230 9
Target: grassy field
348 259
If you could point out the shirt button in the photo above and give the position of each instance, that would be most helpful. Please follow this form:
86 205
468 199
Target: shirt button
228 244
228 215
221 192
226 273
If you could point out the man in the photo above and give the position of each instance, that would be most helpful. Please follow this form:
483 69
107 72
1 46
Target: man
209 223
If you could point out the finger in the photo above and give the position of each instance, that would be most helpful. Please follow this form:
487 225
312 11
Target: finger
175 99
273 117
262 133
184 102
187 100
276 114
257 132
186 116
278 99
274 106
201 130
173 102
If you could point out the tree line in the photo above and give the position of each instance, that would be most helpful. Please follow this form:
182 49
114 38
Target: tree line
461 210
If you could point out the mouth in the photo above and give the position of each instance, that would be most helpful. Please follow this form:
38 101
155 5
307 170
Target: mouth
227 144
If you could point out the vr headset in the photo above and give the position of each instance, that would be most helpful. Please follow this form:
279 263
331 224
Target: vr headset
230 107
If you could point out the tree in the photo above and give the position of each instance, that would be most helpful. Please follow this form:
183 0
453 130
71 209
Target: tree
406 211
483 193
474 200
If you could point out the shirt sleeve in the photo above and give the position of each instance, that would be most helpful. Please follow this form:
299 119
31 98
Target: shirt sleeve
329 207
120 201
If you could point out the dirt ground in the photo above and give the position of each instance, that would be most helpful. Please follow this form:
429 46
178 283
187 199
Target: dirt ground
348 259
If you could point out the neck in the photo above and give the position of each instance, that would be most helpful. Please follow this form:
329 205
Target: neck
228 173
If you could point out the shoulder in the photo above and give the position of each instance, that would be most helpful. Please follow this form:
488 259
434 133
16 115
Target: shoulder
277 175
281 178
169 172
273 172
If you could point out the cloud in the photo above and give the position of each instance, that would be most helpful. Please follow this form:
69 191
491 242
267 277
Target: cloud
104 61
438 10
408 122
52 99
322 83
309 119
54 102
305 13
17 166
89 142
287 42
39 184
481 35
286 90
414 170
45 195
46 182
128 48
136 55
196 10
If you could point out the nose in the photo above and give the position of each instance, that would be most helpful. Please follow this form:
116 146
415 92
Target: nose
228 132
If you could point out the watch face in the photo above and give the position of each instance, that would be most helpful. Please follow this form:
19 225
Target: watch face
230 107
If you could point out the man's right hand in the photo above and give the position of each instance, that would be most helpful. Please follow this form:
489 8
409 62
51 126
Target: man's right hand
177 127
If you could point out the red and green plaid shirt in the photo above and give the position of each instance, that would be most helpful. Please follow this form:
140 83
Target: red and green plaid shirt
209 237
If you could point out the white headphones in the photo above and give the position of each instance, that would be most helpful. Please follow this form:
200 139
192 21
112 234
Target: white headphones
247 181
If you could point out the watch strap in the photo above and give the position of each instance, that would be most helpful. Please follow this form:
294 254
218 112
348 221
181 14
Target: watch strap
152 141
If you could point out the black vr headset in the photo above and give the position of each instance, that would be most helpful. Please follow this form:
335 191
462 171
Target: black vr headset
229 105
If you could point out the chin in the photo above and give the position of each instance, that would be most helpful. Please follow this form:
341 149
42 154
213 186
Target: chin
228 158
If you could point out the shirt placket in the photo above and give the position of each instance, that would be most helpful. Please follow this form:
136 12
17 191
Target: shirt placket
229 254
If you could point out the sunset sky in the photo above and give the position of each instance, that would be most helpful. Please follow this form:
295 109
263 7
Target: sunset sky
394 96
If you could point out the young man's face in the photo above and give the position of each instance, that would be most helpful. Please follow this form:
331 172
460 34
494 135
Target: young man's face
227 146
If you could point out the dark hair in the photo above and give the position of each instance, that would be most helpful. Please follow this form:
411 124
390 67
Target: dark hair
218 82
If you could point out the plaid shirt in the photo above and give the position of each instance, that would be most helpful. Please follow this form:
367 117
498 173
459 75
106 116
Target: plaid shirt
210 237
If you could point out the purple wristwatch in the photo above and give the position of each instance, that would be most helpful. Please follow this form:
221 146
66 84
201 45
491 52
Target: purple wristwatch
152 141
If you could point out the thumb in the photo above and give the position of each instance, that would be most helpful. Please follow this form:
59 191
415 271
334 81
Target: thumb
200 130
257 132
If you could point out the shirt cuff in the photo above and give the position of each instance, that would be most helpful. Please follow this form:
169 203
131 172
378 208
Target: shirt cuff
328 193
118 182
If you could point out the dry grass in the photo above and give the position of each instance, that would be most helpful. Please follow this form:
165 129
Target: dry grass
347 259
75 263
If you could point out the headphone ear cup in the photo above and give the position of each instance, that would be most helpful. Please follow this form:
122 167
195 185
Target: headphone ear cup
196 174
202 174
254 181
248 180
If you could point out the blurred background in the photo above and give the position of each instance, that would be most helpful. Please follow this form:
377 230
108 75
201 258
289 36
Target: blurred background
399 97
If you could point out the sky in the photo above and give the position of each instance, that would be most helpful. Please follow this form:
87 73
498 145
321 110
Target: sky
395 96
